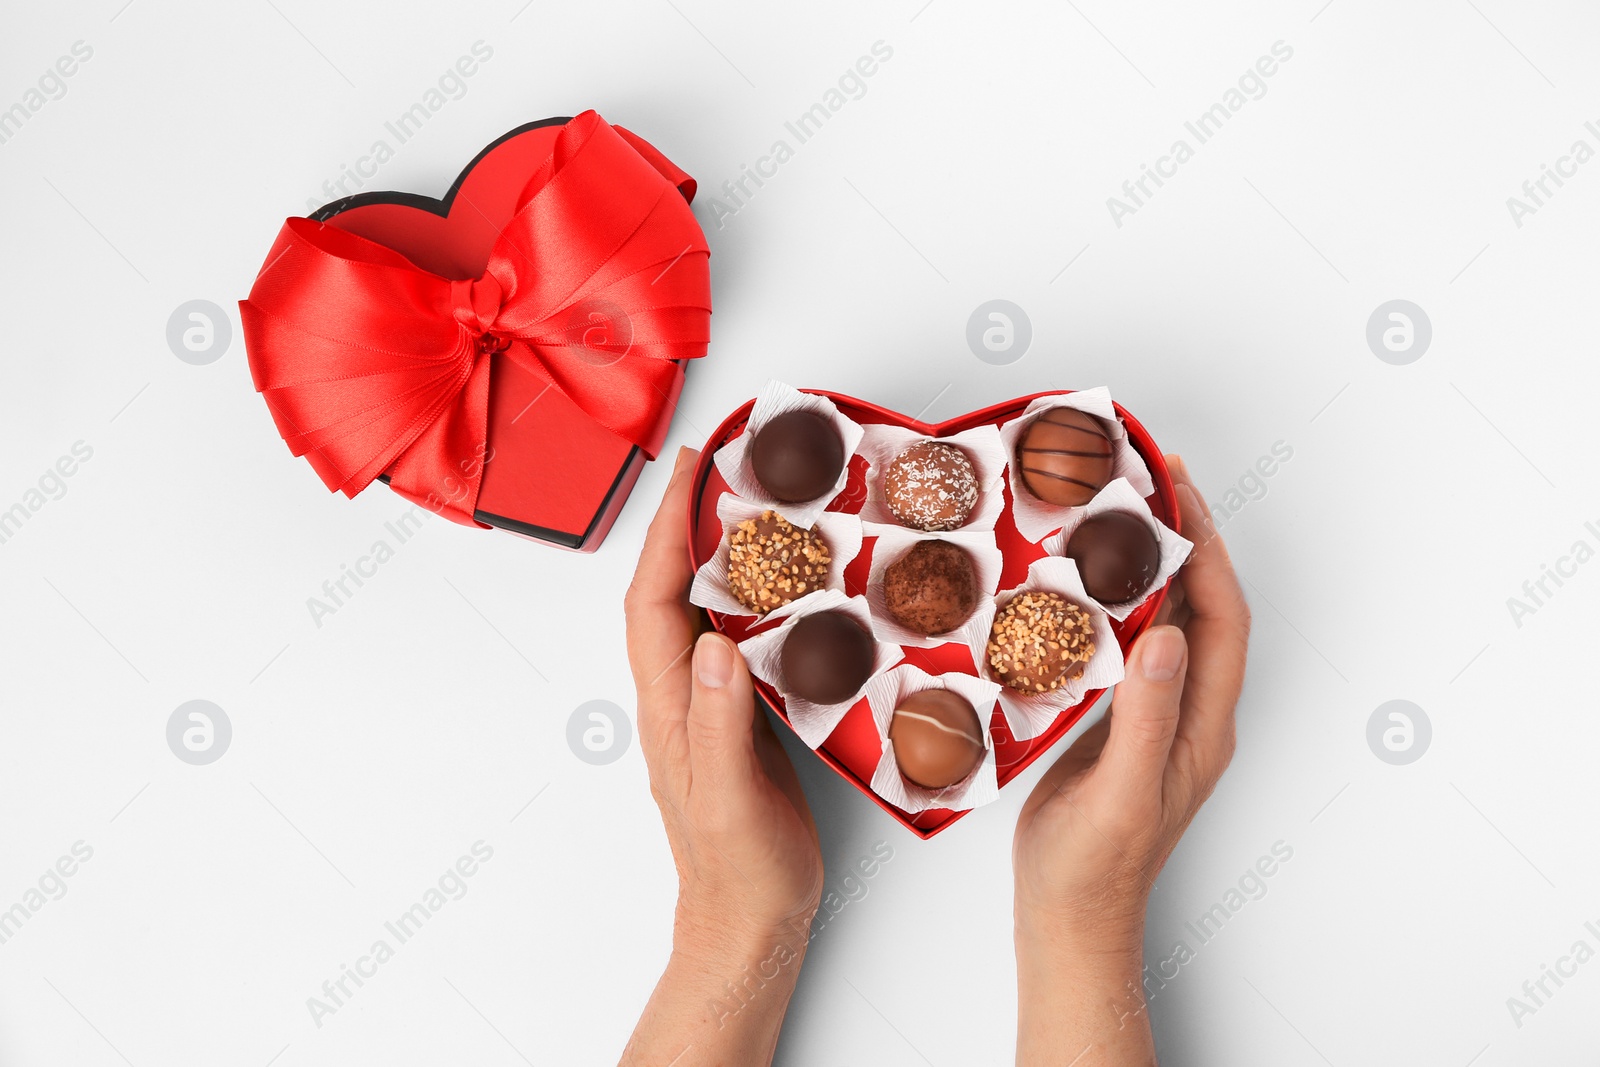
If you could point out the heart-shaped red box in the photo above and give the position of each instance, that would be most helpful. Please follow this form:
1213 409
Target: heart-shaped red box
452 236
853 749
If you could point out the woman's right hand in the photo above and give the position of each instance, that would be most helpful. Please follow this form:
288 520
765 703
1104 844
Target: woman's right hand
1101 822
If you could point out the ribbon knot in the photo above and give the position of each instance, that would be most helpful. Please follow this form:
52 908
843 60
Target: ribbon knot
490 344
359 352
476 302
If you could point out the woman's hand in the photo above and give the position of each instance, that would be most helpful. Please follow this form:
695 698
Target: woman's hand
1103 820
742 837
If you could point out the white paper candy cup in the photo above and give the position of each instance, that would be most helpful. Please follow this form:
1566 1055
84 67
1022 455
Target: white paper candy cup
887 692
894 542
881 443
733 460
1029 714
1036 519
1120 496
764 654
840 532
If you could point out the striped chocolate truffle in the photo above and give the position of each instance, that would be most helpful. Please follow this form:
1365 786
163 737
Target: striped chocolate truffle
1064 457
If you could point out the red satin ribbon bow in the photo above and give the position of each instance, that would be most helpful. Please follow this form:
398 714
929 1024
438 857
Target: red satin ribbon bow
371 364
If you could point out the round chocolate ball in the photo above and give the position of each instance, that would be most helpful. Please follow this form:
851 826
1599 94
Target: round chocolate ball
797 456
931 589
827 658
931 486
1117 556
1064 457
937 738
771 562
1040 641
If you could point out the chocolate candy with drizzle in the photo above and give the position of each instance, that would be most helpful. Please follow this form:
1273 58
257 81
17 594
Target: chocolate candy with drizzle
937 738
1065 457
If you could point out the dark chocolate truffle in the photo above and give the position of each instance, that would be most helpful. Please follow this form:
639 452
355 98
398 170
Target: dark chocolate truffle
771 562
1117 555
931 486
937 738
827 657
797 456
1064 457
931 589
1040 641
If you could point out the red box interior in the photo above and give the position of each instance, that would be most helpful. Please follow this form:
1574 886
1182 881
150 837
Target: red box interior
853 748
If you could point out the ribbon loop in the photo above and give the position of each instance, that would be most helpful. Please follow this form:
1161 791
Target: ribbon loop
598 283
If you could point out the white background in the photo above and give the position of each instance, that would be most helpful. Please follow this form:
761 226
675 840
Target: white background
1228 313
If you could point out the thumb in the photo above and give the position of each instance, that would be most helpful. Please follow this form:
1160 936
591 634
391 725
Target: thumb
1144 714
721 716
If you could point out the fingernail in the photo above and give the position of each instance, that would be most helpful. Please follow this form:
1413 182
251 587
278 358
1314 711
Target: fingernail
713 661
1161 653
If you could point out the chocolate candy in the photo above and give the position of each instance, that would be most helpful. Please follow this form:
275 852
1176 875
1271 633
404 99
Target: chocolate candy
771 562
932 589
1117 556
1040 641
797 456
931 486
827 658
937 738
1064 457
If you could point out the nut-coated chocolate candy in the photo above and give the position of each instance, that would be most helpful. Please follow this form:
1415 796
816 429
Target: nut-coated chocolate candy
827 658
1064 457
1040 641
1117 556
797 456
932 589
931 486
937 738
771 562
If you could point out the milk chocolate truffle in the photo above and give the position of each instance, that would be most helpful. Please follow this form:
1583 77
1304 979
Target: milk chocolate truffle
1040 641
827 657
1117 555
771 562
931 486
931 589
797 456
937 738
1064 457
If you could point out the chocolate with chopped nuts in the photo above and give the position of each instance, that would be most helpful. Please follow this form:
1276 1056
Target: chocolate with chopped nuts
772 562
1040 641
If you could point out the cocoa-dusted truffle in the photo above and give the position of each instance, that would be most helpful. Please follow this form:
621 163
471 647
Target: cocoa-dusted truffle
1064 457
827 657
1117 555
771 562
931 486
937 738
932 589
797 456
1040 641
